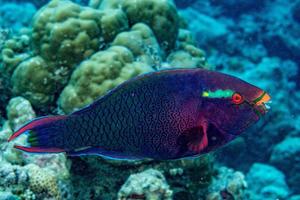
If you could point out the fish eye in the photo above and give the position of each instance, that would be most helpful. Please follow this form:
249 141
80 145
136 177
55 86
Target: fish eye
237 98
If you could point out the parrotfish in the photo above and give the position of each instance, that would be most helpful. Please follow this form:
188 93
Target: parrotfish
163 115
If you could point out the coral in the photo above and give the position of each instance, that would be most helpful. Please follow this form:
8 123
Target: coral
14 50
13 53
160 15
186 54
30 181
94 77
188 57
113 22
266 182
205 28
227 184
142 43
38 89
13 177
16 16
19 112
5 132
8 196
66 33
61 40
67 38
84 52
4 34
150 184
185 177
28 195
286 156
43 182
57 163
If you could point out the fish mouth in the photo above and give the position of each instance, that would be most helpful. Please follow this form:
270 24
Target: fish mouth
262 103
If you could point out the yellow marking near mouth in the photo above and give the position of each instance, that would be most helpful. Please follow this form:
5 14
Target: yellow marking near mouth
265 97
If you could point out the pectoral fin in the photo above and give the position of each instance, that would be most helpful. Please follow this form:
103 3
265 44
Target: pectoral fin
197 139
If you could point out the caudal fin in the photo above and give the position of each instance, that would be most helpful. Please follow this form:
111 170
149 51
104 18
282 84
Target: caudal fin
41 133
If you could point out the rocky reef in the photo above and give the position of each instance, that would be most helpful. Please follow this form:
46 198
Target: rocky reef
58 56
258 43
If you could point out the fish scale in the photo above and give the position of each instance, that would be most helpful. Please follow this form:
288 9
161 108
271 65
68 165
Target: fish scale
161 115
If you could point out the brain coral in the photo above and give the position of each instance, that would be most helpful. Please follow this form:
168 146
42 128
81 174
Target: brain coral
160 15
65 33
43 182
38 89
142 43
75 46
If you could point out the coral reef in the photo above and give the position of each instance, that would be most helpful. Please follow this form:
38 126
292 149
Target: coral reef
16 16
73 52
142 43
286 156
43 182
19 111
260 45
39 89
184 177
28 177
13 52
150 184
226 184
266 182
62 40
77 54
103 71
160 15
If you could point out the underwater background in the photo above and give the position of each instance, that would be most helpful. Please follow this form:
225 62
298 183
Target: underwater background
58 56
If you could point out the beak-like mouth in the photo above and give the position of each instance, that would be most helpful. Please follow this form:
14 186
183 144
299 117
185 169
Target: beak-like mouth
262 103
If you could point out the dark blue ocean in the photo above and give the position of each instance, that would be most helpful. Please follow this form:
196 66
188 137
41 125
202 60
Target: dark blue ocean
58 56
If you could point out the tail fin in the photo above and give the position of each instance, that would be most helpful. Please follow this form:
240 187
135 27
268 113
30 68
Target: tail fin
40 131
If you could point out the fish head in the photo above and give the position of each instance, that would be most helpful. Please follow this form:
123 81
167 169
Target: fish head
232 105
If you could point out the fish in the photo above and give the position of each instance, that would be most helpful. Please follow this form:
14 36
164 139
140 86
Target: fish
163 115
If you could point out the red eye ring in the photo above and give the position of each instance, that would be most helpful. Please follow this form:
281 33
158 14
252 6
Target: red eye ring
237 98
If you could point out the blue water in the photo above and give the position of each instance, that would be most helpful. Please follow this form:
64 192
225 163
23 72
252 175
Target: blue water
257 41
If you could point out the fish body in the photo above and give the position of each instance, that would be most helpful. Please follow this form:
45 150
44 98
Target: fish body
162 115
